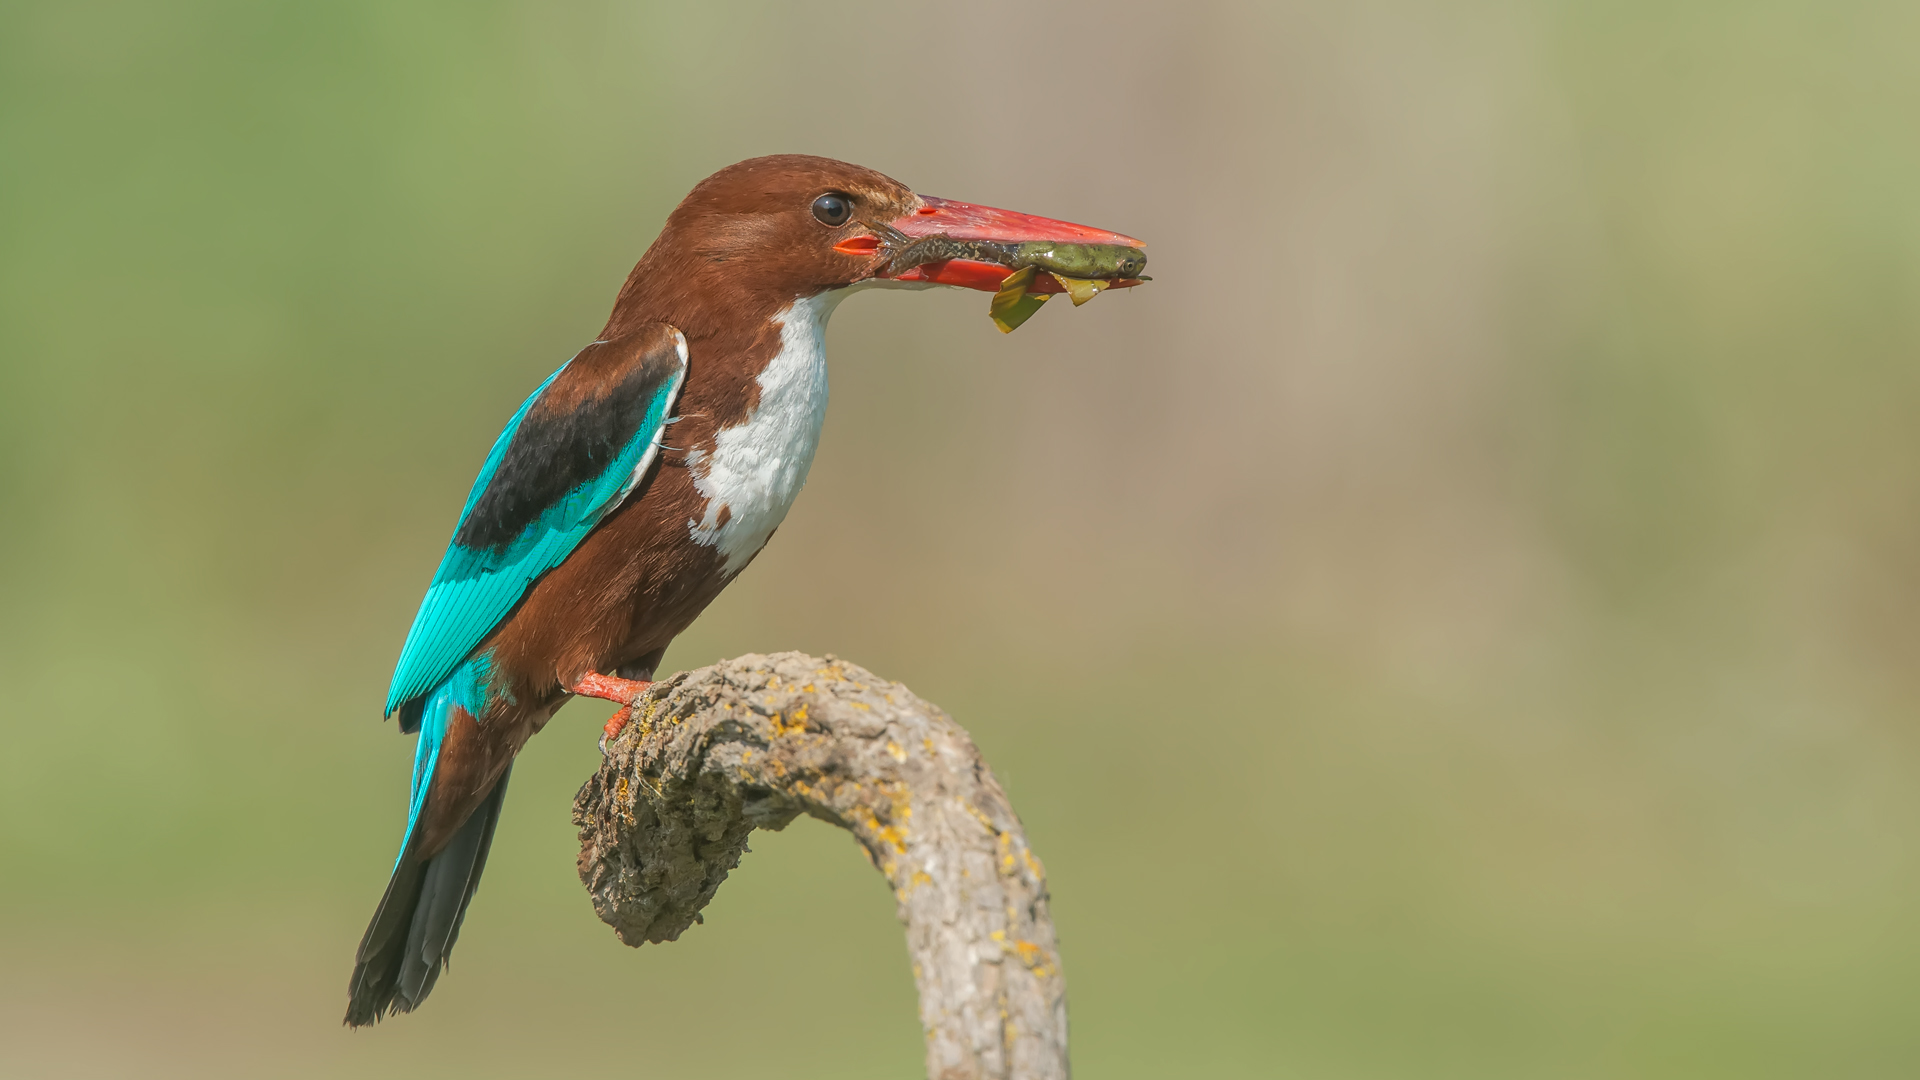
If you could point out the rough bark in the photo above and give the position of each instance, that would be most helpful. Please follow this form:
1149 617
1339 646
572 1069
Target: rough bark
753 743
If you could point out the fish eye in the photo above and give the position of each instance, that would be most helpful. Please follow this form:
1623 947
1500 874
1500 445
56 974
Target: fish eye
833 208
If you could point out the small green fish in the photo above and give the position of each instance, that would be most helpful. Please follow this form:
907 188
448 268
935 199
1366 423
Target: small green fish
1083 270
1109 262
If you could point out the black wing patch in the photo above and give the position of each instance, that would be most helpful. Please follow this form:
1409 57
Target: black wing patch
574 432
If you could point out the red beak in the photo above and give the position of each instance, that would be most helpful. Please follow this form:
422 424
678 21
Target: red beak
965 221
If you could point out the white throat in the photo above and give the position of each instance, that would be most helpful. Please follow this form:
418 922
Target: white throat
758 466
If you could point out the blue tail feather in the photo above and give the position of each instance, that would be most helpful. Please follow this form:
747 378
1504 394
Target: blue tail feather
412 933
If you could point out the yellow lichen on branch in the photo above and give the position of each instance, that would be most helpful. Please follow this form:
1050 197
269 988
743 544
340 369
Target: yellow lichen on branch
756 742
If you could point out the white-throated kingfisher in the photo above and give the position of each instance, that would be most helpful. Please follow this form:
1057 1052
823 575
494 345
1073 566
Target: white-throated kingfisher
643 476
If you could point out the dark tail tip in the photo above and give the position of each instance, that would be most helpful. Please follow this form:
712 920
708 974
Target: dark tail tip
407 944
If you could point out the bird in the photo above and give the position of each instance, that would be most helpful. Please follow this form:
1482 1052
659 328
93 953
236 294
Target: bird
634 484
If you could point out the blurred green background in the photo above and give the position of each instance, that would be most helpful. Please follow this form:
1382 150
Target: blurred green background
1461 620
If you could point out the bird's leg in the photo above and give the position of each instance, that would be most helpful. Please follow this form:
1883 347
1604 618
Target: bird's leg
612 688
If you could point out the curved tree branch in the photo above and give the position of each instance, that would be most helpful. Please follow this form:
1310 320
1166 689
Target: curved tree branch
754 742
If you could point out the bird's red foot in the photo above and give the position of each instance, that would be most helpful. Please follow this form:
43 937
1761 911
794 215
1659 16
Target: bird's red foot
612 688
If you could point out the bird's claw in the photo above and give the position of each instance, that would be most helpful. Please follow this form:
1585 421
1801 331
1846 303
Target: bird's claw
615 724
612 688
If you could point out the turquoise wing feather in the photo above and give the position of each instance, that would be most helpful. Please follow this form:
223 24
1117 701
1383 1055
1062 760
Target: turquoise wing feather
552 475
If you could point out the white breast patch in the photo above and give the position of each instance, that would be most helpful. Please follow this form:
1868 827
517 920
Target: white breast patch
757 467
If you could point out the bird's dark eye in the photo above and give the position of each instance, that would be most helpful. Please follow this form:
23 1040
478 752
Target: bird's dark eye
833 208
